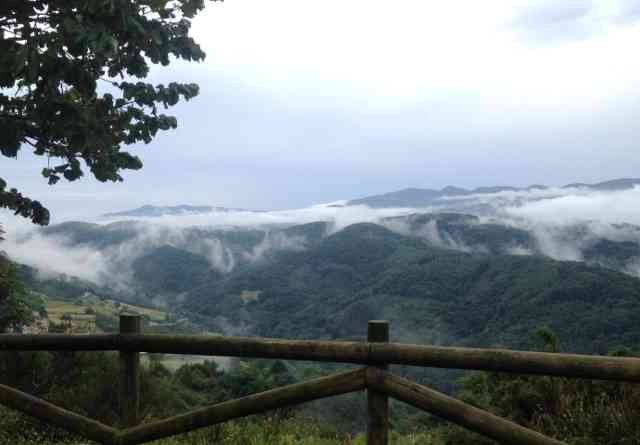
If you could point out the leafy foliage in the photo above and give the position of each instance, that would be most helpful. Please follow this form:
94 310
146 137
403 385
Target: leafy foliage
53 53
14 309
577 411
167 269
430 295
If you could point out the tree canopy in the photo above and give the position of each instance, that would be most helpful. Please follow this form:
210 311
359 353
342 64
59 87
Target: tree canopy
70 85
14 311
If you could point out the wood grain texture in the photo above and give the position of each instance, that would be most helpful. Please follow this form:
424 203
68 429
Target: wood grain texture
460 413
377 402
54 415
499 360
254 404
130 374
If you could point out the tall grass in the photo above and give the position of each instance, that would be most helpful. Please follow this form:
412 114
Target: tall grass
20 430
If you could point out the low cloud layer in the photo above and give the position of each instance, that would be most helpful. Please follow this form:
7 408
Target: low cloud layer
551 21
608 207
51 257
560 223
336 212
105 253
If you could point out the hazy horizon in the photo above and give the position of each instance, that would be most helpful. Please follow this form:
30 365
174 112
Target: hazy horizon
305 103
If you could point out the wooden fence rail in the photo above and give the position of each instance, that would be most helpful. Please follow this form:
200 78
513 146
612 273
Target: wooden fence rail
49 413
454 410
498 360
254 404
376 353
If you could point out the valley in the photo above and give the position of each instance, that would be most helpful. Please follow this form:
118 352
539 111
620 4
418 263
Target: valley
319 223
440 277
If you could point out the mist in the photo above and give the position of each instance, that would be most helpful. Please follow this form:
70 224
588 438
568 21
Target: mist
607 207
562 224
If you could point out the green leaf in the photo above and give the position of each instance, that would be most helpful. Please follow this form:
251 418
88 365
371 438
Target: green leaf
56 107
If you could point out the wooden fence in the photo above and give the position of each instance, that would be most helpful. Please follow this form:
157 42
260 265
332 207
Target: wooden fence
377 354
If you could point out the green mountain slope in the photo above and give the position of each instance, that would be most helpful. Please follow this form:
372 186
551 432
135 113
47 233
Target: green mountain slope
158 260
95 235
462 232
168 270
430 295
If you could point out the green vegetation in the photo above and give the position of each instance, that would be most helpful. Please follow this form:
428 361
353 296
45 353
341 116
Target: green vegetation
14 306
464 231
83 382
86 314
53 54
291 431
95 235
430 295
56 308
168 270
330 290
62 287
164 265
580 412
577 411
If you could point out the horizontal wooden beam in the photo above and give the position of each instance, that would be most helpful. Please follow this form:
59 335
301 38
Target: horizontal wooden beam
53 415
505 360
58 342
499 360
254 404
460 413
254 347
310 350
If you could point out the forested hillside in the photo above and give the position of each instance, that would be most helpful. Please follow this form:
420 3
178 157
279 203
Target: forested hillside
442 278
430 295
452 175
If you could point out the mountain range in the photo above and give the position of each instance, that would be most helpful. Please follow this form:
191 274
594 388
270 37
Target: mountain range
448 198
150 211
430 295
416 197
440 277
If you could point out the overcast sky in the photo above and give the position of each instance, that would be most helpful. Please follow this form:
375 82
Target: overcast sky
305 102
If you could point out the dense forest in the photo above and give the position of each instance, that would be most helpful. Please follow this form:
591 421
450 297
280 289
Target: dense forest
330 289
429 294
580 412
345 162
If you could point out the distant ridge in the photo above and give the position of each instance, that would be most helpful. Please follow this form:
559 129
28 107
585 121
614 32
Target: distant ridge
150 211
416 197
409 197
612 185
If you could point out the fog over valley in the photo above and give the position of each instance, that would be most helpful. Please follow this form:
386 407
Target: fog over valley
247 196
122 252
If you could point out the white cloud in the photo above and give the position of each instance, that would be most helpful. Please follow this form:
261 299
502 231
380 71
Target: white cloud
50 256
407 49
607 207
562 221
341 216
112 265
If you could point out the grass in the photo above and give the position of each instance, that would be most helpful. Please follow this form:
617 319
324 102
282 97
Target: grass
56 309
251 431
174 361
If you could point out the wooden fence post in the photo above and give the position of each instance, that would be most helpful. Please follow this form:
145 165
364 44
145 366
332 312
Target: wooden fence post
130 374
377 403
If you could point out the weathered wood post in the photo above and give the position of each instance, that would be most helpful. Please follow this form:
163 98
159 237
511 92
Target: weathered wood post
130 374
377 403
